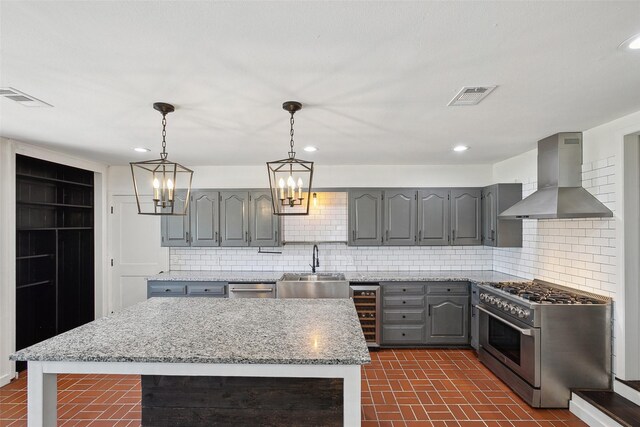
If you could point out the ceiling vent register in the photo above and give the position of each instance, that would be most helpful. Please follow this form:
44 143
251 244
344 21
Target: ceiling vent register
22 98
471 95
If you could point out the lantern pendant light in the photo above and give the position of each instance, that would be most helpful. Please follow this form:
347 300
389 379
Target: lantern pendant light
288 177
161 187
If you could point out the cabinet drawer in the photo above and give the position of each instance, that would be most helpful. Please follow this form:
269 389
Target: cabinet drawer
447 288
403 334
395 288
403 301
166 289
213 289
403 316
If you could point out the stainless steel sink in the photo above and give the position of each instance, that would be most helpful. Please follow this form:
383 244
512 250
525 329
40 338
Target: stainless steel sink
319 277
321 285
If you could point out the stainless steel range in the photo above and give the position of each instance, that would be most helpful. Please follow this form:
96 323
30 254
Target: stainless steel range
543 339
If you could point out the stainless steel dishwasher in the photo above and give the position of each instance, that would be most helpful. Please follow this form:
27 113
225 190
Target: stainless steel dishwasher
252 290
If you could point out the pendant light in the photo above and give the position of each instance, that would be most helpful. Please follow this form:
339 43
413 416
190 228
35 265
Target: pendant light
162 187
288 177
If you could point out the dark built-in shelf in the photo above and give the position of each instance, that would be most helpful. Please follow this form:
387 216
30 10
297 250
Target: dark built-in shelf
622 410
47 179
54 228
35 256
29 285
55 205
55 250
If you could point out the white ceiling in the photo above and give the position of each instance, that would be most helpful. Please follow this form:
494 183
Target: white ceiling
374 77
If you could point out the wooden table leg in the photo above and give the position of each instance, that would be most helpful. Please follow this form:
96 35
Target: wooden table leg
42 396
352 397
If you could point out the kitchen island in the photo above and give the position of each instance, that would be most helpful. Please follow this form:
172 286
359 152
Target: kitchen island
219 339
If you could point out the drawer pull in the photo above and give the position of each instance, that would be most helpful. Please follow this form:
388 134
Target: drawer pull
404 317
167 290
404 290
404 302
403 334
448 289
206 290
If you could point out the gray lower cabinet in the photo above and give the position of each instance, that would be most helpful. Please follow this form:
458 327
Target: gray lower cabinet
365 218
466 216
433 217
174 288
205 218
495 231
400 217
234 218
175 229
447 319
264 226
425 313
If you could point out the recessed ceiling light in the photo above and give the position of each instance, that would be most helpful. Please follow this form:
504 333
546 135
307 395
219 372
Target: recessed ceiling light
631 44
460 148
310 149
141 150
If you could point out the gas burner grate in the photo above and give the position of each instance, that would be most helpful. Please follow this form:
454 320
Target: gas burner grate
544 294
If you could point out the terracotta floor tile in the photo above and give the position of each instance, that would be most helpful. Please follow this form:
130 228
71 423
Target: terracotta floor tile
400 388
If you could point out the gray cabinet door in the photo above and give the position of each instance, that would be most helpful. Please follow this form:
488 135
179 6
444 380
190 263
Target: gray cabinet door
448 320
175 229
433 217
205 218
489 215
264 226
234 218
365 218
399 217
465 216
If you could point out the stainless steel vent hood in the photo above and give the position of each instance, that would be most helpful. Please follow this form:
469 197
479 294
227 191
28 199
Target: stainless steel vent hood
560 193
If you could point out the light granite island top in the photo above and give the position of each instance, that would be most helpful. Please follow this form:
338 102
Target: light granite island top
302 338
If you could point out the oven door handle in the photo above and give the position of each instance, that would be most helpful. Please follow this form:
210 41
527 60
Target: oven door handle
251 290
528 332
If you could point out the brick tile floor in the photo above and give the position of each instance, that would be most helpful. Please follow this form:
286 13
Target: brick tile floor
401 388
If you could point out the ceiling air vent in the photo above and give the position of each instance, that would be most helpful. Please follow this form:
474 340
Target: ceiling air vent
22 98
471 95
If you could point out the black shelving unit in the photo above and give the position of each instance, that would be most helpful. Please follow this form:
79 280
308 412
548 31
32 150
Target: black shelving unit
55 250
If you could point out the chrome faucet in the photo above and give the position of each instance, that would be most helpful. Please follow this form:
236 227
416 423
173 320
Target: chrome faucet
315 261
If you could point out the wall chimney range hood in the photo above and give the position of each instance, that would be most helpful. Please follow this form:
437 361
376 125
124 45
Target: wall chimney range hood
560 193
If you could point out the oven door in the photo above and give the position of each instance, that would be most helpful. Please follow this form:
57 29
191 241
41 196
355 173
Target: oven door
513 343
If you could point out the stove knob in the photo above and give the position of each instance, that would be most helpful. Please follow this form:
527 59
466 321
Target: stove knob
492 300
512 308
526 313
483 297
523 313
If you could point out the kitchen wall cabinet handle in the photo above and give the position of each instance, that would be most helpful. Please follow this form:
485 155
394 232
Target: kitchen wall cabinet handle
216 238
246 236
387 235
353 234
429 310
453 235
420 236
493 234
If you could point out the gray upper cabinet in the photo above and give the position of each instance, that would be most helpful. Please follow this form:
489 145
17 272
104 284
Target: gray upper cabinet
495 231
433 216
175 229
365 217
400 217
234 218
466 216
447 320
205 218
264 226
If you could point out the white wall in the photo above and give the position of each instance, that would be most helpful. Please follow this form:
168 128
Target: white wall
327 176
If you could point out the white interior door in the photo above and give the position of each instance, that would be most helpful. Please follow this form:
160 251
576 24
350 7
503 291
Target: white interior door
135 250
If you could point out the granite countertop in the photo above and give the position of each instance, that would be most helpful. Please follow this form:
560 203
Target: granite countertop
215 330
476 276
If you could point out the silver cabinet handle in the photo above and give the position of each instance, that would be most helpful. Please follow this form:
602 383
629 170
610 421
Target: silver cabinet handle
527 332
252 290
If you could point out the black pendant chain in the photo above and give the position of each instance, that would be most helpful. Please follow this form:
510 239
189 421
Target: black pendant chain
163 155
292 154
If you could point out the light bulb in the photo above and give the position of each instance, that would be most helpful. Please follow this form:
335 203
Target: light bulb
170 184
156 183
281 183
300 182
156 189
291 182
